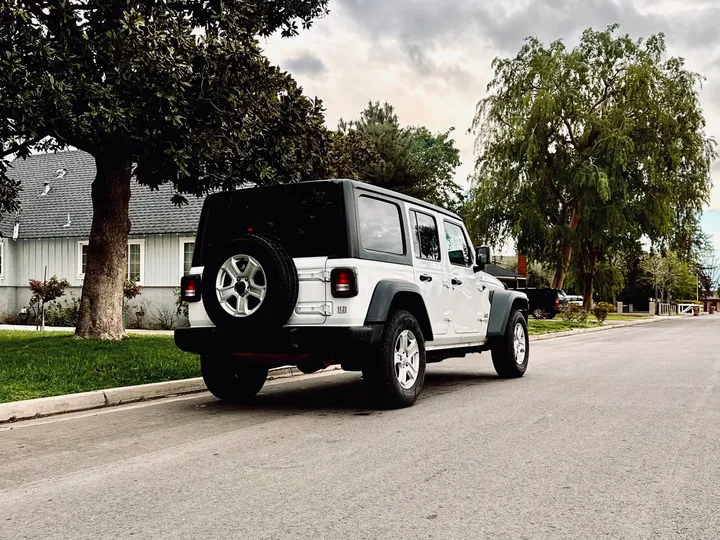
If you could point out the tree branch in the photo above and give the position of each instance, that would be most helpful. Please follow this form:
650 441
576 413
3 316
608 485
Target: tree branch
15 147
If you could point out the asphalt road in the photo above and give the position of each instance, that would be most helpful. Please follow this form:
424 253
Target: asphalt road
609 435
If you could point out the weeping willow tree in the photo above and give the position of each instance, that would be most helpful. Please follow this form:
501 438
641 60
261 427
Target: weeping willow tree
583 151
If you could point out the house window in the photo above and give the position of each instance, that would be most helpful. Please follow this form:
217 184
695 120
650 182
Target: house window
82 259
187 245
135 264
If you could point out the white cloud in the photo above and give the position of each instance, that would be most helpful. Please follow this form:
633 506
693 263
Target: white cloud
431 59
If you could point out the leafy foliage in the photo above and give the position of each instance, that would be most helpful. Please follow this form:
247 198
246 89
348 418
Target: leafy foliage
131 289
587 150
43 292
669 276
601 311
64 313
574 312
376 149
47 291
202 110
175 91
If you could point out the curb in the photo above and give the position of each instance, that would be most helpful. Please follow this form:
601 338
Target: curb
580 331
96 399
35 408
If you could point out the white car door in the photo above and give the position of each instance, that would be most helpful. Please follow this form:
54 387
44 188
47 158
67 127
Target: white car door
466 313
430 268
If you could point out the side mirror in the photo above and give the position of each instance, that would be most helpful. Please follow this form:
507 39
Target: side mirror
482 257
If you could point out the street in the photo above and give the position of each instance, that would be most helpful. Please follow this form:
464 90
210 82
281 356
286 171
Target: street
609 435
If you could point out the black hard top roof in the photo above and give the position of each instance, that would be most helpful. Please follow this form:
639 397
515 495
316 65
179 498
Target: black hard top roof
364 187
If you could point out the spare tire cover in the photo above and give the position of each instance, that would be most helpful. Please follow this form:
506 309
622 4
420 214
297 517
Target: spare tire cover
249 283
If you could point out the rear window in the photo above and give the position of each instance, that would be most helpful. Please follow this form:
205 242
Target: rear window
380 226
306 219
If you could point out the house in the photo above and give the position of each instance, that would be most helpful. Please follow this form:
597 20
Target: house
512 279
51 231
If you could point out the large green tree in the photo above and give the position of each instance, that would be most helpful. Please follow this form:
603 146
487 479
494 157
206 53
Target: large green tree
178 91
411 160
585 150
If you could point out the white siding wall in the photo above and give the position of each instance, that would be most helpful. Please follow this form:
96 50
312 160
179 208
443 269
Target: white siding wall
30 257
162 260
26 259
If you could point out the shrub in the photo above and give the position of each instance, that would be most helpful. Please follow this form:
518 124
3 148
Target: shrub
15 318
65 314
135 314
571 312
601 310
44 292
695 302
165 317
182 307
131 289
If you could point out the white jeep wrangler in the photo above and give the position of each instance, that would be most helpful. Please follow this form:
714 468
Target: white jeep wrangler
337 271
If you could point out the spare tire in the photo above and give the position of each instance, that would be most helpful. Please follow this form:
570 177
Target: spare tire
250 283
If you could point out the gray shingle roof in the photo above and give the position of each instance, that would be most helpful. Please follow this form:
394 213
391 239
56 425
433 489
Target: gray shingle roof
45 216
500 272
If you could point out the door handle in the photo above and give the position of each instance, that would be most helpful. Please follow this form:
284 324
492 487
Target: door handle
456 281
425 277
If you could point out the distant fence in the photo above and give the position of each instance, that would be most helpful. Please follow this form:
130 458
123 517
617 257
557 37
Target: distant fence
676 309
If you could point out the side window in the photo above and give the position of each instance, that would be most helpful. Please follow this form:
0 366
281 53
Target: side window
427 241
457 245
380 226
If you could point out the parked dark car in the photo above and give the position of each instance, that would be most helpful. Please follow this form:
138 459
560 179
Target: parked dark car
546 303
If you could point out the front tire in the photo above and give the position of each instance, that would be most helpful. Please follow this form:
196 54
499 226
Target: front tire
396 372
538 314
230 380
511 351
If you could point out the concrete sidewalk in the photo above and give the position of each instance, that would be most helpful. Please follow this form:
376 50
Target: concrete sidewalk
31 328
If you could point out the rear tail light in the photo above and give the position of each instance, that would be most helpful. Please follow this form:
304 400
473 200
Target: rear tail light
343 282
190 288
557 302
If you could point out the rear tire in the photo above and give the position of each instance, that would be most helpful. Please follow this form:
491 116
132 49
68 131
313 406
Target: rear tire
395 373
511 351
230 380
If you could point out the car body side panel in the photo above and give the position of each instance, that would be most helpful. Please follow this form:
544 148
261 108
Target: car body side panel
501 302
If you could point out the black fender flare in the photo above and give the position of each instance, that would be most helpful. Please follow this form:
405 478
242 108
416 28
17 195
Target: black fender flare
386 291
501 303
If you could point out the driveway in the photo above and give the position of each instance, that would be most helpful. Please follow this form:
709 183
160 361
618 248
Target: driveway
609 435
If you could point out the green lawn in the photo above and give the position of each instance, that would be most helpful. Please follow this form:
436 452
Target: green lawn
626 317
556 325
39 364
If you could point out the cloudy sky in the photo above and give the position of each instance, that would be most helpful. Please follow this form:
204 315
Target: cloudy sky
431 58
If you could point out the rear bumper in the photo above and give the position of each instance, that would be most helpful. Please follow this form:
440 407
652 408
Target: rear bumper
328 341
